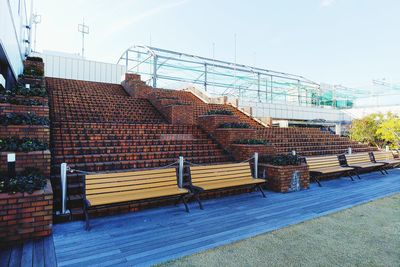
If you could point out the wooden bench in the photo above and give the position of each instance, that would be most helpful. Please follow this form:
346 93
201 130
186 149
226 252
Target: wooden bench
385 157
117 188
214 177
362 161
326 165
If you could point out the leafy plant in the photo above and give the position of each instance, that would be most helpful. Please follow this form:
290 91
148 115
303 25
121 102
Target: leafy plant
251 142
22 144
219 112
234 125
22 90
23 119
35 59
29 180
33 71
18 101
280 160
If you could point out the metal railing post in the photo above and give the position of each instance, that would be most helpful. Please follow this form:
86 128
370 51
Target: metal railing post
349 151
180 172
63 188
255 165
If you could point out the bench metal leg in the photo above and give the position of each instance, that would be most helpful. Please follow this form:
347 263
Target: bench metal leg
185 203
87 218
381 170
315 179
262 191
349 175
197 197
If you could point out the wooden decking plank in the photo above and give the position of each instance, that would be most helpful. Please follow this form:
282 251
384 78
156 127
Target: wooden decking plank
38 253
27 254
50 259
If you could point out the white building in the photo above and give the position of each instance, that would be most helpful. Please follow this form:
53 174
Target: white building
15 25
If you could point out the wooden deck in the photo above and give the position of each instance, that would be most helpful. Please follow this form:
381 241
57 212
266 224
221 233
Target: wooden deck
156 235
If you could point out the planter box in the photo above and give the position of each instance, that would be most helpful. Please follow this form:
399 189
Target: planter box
180 114
226 136
279 178
243 152
42 111
211 122
29 131
37 159
26 216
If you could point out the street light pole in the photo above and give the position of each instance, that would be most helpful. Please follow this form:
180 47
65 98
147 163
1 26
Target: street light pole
84 29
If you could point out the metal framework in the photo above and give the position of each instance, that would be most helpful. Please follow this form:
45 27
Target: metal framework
170 69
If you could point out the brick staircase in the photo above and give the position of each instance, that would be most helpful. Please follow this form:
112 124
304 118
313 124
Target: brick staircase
97 127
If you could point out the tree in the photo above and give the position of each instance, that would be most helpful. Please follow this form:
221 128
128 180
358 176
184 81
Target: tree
389 130
377 129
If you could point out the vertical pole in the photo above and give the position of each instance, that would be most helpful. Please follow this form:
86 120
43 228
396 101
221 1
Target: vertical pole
258 86
349 150
256 165
155 72
63 188
180 172
126 61
10 170
205 77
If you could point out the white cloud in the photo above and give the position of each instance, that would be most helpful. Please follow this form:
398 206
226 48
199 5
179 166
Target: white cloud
327 3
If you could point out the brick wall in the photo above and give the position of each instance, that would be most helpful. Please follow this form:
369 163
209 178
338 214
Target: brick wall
279 177
226 136
25 216
36 159
135 87
211 122
29 131
42 111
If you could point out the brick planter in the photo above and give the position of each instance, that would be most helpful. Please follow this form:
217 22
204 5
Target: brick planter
210 123
179 114
26 216
279 177
226 136
29 131
42 111
242 152
36 159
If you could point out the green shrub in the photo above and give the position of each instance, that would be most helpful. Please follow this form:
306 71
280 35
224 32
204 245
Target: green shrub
234 125
22 144
280 160
23 119
251 142
219 112
29 180
33 71
22 90
35 59
18 101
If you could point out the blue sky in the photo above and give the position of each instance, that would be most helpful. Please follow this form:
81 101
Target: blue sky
347 42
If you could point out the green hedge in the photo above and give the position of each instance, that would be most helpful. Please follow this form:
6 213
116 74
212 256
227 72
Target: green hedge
23 119
251 142
35 59
29 180
33 71
280 160
219 112
234 125
18 101
22 90
22 144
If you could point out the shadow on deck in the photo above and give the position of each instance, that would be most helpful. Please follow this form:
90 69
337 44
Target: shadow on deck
156 235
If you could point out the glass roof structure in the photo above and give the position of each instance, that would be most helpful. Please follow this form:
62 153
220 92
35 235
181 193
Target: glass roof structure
169 69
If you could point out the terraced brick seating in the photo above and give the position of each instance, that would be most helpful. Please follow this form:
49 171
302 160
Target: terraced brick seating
97 127
221 176
327 165
309 141
115 188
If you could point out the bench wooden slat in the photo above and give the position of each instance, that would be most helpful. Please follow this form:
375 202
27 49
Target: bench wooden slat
122 180
116 188
133 174
110 198
232 183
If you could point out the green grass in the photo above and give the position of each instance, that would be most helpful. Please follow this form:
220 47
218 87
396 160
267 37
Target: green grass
365 235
